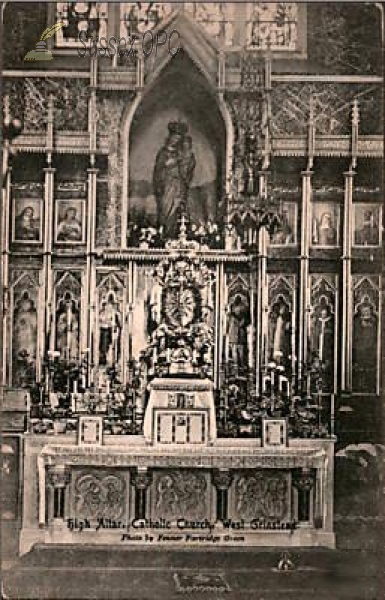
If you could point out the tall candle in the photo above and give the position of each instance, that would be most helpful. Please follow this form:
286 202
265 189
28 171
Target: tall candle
75 387
73 402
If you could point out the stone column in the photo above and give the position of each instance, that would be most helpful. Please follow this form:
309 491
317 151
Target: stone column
5 219
304 271
141 479
59 477
222 479
303 481
347 309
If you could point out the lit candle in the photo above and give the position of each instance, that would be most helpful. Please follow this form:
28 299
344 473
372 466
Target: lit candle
75 387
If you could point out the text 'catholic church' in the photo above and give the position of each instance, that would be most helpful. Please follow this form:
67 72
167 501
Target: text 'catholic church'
191 238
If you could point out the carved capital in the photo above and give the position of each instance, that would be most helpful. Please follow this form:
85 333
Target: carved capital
222 479
59 476
303 479
141 479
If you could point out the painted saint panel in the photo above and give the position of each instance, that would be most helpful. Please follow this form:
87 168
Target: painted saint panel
365 334
325 224
70 221
287 234
24 333
367 224
27 220
281 318
322 326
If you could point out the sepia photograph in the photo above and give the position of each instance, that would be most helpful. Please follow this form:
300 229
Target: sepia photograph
191 293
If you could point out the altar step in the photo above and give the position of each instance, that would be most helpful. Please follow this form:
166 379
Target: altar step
96 572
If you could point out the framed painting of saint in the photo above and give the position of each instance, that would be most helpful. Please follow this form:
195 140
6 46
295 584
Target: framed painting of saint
27 220
287 234
366 226
325 224
70 221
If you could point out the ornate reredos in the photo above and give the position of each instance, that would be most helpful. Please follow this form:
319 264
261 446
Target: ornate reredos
183 277
181 304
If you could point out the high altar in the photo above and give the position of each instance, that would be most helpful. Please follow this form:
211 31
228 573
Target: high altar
192 258
178 481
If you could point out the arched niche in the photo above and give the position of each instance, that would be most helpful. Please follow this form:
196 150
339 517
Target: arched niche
180 93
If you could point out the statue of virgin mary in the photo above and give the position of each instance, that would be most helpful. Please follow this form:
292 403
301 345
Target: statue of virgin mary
173 172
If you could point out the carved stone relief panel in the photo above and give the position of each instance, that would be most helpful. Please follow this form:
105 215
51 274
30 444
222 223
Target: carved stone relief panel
99 494
180 494
263 494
